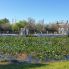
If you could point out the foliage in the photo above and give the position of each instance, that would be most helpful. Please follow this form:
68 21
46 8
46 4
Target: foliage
5 25
14 27
31 24
44 48
4 21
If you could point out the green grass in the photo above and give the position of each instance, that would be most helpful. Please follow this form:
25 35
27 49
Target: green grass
42 47
52 65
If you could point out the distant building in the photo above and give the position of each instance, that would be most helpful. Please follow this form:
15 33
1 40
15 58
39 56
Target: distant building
63 28
24 31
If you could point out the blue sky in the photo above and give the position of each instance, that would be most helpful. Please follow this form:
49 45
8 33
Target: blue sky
49 10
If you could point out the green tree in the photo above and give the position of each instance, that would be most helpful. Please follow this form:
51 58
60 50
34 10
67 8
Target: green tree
17 26
14 27
4 21
21 24
4 25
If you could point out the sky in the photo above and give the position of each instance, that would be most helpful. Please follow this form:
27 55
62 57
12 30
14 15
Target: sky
49 10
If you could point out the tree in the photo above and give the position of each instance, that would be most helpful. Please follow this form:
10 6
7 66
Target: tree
31 25
40 26
14 27
4 21
4 25
22 24
17 26
51 28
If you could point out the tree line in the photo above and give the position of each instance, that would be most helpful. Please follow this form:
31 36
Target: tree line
34 27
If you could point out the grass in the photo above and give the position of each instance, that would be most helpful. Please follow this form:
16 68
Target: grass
52 65
43 47
52 48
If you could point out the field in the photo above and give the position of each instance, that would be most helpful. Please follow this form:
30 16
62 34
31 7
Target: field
52 65
43 48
